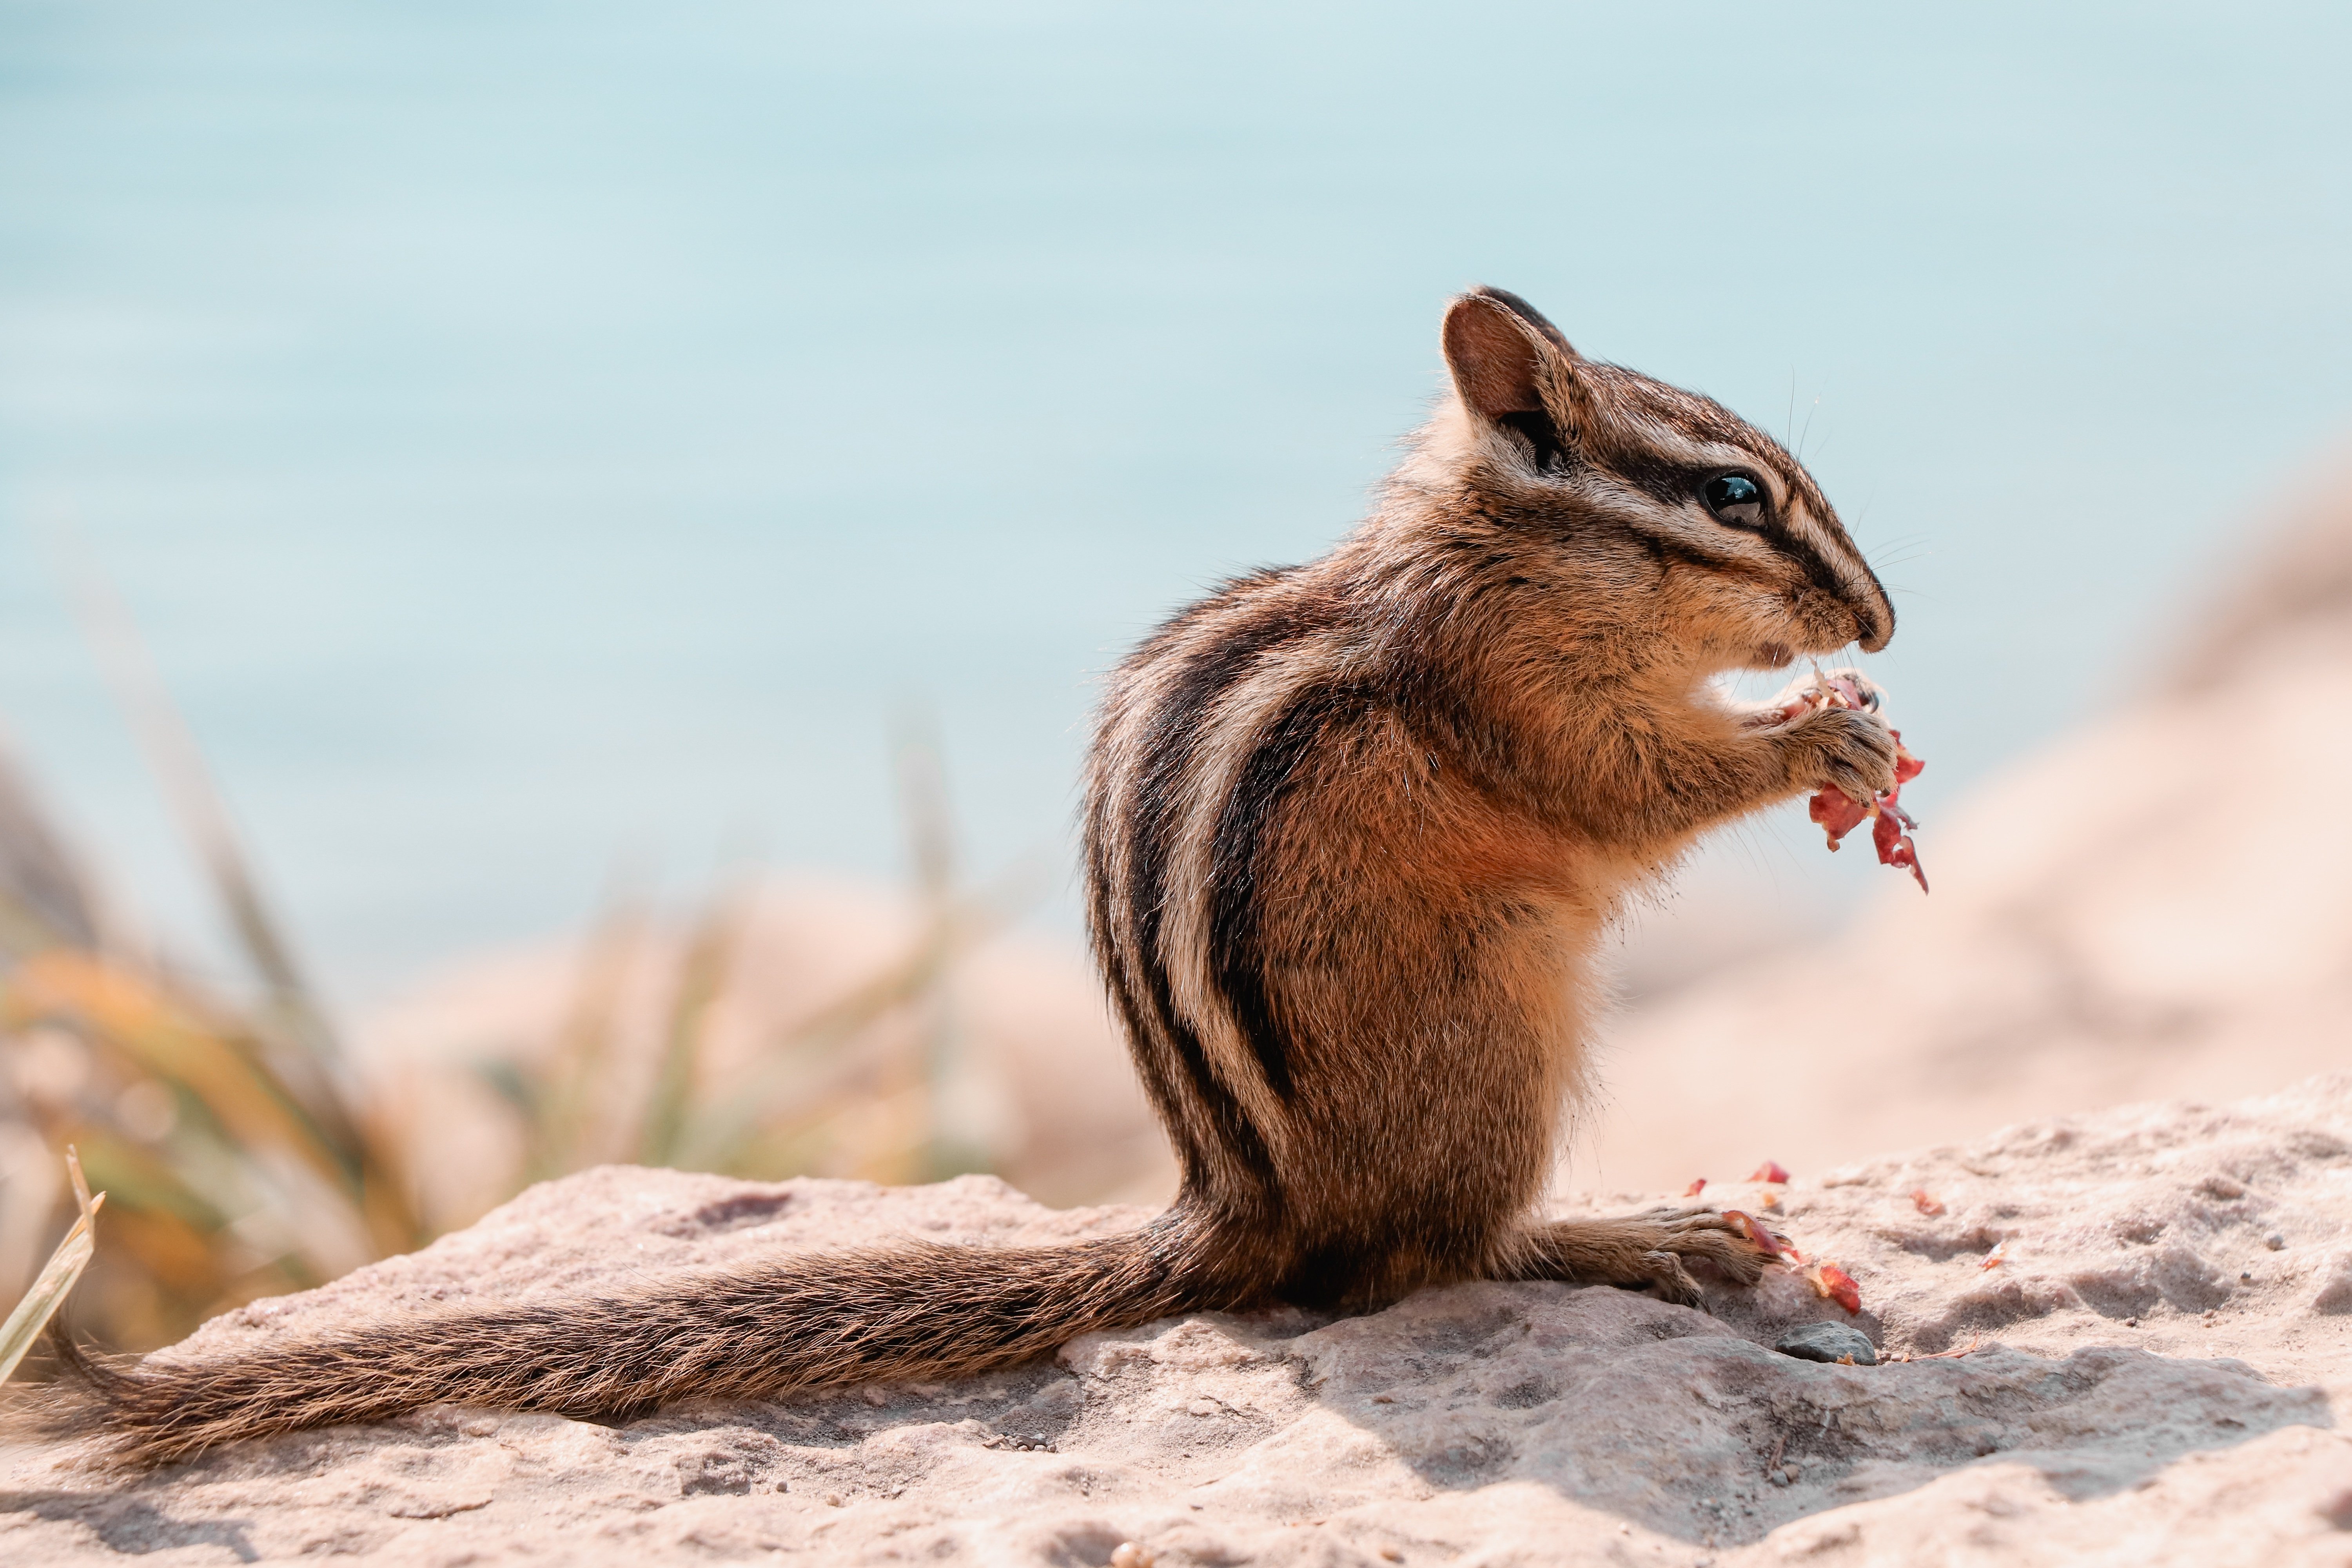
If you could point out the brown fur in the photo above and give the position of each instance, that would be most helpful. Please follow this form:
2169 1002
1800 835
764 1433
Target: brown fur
1353 831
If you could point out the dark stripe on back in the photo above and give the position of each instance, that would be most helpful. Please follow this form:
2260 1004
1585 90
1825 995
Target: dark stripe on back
1173 732
1149 1061
1240 845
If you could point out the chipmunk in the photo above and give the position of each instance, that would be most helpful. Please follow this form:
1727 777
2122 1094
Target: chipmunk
1354 832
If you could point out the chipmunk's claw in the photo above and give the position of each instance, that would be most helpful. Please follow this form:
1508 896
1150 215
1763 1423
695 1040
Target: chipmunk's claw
1670 1282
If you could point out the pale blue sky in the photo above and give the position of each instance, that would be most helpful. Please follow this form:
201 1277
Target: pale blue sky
536 433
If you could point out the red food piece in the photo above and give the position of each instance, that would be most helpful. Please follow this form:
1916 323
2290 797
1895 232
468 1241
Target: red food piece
1835 1284
1844 692
1924 1204
1753 1228
1696 1188
1840 813
1770 1171
1893 840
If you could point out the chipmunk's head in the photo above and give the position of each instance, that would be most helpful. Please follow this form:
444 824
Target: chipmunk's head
1699 522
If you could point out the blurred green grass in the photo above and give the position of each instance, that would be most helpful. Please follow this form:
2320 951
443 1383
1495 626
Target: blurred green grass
243 1155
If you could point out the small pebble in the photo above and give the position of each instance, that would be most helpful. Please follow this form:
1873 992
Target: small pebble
2131 1322
2245 1277
1127 1554
1828 1342
2275 1241
1780 1477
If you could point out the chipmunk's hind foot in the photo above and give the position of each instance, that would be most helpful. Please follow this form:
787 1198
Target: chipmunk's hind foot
1670 1282
1650 1252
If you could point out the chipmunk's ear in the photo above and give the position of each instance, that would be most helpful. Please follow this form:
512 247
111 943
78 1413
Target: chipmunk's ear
1499 349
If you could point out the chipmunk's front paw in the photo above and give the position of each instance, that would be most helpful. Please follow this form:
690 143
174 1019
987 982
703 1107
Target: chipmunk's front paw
1846 747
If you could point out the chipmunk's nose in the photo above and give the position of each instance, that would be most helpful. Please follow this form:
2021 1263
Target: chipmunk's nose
1874 616
1873 625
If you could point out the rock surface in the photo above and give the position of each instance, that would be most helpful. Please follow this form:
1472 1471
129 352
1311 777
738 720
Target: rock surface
2154 1306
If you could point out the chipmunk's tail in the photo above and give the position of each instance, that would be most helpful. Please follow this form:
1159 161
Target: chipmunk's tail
918 1311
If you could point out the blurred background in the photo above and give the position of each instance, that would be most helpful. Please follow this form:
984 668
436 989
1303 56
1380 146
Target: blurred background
553 559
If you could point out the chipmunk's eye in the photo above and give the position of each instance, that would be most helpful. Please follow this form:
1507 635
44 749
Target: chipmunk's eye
1735 498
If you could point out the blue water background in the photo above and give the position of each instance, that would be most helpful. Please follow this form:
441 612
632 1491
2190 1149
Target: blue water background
536 436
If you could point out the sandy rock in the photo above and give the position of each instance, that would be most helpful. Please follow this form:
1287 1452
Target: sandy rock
2146 1379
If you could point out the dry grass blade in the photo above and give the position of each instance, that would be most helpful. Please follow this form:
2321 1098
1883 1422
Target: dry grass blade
225 1188
785 1088
840 1080
244 1160
45 898
931 838
178 762
567 1128
57 1277
297 1037
923 808
701 979
120 1011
